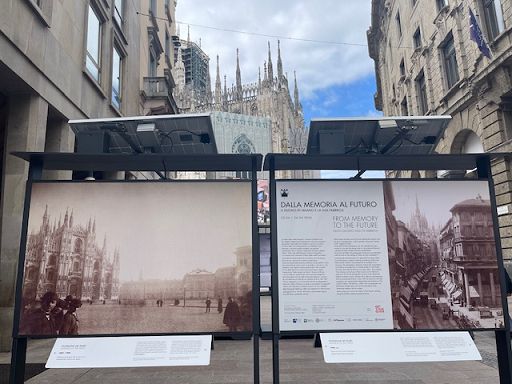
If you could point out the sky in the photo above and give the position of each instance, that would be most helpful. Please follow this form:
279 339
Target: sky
156 245
335 75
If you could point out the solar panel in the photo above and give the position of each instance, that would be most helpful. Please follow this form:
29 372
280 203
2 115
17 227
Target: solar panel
186 134
403 135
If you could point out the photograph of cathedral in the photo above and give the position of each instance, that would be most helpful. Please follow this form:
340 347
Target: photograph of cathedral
114 256
442 254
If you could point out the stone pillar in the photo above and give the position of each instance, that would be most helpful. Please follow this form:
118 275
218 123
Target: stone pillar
480 290
26 129
466 288
59 138
493 288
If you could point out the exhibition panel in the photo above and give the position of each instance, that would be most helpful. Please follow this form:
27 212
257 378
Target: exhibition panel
175 269
394 254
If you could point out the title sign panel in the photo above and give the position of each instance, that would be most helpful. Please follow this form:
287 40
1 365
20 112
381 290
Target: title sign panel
359 255
333 260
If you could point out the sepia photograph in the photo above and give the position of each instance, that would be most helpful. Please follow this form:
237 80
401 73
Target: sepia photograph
442 255
137 258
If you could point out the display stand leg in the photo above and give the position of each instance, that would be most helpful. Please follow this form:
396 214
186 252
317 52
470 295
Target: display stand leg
213 345
275 358
318 342
504 356
18 360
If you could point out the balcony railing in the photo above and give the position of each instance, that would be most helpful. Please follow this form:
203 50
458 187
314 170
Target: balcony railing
160 88
156 87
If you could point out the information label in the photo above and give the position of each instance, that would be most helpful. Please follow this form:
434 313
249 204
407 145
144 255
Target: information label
332 256
133 351
394 347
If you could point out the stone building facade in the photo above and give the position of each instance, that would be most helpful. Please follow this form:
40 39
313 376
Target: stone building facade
156 82
426 64
65 258
269 97
59 60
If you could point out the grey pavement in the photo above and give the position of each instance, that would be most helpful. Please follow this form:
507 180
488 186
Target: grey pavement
300 362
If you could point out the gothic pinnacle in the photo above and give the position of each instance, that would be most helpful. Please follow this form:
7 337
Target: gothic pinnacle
238 77
295 92
218 85
279 62
270 70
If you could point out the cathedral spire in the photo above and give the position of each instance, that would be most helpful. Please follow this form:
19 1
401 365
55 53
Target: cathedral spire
265 76
259 78
71 219
225 94
179 71
279 62
94 225
238 77
66 218
270 70
295 93
188 33
208 94
218 85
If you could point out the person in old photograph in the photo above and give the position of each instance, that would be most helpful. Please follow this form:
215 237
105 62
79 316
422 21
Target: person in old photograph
208 304
232 315
219 305
44 319
70 322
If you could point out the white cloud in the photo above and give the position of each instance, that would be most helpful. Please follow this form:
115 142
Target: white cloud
318 65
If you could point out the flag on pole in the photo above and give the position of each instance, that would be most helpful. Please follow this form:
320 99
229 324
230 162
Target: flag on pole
477 36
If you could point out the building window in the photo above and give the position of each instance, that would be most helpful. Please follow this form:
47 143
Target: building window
422 94
402 68
403 107
413 2
450 63
152 64
168 47
119 12
117 70
417 38
398 24
458 250
493 18
441 4
94 32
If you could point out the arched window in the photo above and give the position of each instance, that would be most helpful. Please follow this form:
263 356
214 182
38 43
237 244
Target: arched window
78 246
52 259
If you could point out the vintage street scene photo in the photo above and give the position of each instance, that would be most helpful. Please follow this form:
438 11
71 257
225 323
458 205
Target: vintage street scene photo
442 255
125 258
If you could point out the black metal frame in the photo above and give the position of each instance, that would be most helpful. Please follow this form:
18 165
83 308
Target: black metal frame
141 162
482 162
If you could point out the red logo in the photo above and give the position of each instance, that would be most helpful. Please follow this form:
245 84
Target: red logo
379 309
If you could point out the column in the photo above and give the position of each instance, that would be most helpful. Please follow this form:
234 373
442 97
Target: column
26 130
480 290
59 138
493 288
466 288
